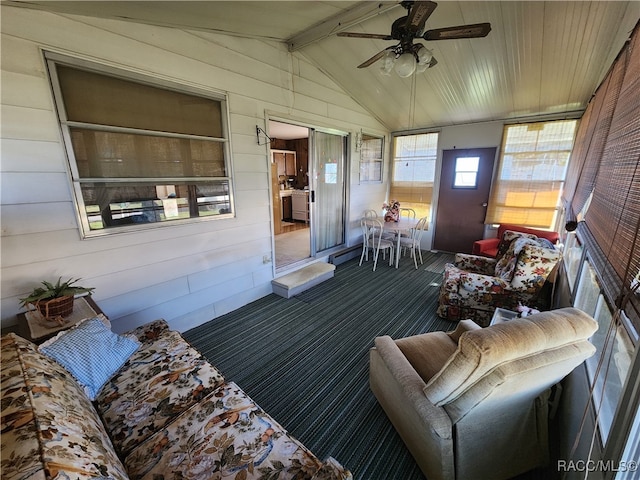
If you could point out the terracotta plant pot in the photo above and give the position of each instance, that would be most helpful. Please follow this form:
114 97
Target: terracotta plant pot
56 307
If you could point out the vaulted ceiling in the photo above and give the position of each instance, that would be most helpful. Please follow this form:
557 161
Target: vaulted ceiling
540 58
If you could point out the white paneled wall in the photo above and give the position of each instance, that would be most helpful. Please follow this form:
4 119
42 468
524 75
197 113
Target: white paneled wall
186 274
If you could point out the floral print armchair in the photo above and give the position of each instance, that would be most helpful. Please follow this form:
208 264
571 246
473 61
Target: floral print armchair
474 286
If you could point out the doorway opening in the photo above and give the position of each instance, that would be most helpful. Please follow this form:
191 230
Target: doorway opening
290 186
309 185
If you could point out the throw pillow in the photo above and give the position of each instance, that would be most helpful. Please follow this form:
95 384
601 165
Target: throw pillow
533 267
505 267
91 352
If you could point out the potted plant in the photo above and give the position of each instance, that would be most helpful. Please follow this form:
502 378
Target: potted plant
55 300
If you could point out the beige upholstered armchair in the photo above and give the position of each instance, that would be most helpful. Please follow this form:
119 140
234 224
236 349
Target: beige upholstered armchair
473 403
474 286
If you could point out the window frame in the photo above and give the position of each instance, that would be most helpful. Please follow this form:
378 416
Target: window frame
456 171
573 259
66 126
604 405
366 162
499 207
395 189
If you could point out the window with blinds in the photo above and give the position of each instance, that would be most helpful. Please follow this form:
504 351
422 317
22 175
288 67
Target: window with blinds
591 139
612 221
531 172
603 194
414 167
141 154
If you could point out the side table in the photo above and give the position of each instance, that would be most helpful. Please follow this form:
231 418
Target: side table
502 315
84 307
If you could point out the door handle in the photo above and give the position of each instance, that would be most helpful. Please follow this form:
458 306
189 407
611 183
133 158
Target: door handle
485 204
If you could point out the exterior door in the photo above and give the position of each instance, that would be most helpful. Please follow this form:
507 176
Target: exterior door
328 186
465 182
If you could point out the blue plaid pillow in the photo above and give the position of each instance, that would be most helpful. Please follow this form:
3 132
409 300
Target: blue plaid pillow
91 352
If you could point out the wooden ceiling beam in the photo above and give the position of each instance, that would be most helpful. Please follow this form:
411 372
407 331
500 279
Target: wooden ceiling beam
342 21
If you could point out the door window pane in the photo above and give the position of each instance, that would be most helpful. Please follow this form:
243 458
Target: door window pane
331 173
466 172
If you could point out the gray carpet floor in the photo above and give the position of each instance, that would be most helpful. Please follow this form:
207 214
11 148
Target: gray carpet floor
305 360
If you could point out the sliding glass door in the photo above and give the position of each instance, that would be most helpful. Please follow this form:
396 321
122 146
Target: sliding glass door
328 190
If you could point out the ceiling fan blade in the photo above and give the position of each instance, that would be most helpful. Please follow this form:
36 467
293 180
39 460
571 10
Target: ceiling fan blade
418 15
375 58
462 31
365 35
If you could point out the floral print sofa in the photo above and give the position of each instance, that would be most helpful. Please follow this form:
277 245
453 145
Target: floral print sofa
165 414
474 286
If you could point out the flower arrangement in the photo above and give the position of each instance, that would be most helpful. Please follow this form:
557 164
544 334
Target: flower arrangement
392 211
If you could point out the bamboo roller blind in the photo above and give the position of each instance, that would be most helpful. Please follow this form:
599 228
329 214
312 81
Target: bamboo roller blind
612 221
531 174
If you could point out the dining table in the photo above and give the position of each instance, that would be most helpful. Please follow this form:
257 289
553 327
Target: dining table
403 225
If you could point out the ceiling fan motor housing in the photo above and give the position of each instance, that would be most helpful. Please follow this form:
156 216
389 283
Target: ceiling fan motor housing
399 30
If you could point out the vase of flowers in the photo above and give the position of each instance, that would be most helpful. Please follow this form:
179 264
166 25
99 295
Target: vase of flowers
392 211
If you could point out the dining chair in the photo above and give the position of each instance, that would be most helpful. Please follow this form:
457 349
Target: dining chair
391 236
372 240
410 213
413 242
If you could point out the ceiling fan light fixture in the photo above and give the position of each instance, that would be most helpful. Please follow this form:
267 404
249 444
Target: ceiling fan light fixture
421 68
387 63
405 64
424 56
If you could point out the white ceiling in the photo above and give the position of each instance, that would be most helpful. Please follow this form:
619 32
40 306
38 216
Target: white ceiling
541 58
287 131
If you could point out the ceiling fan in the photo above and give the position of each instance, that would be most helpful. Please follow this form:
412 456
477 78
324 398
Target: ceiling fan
407 57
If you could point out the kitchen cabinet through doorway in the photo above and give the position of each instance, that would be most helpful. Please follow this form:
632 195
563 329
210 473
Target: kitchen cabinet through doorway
286 161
